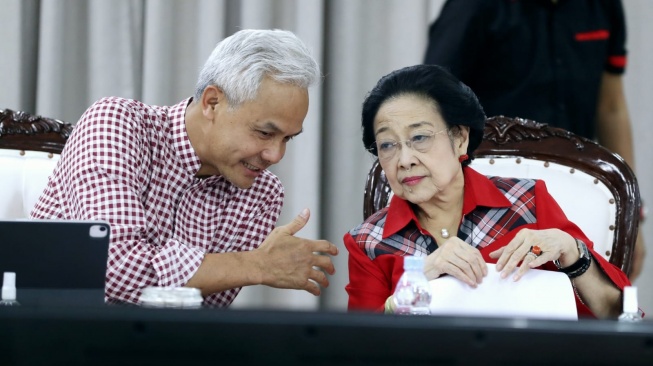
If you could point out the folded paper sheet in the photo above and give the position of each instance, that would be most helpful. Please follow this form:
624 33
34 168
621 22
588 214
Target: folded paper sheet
539 294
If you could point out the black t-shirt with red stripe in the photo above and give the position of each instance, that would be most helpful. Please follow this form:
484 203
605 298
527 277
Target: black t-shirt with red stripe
533 59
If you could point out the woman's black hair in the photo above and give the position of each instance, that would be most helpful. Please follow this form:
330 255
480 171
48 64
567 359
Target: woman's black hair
455 101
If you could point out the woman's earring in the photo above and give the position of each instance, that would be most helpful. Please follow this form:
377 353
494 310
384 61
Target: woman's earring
463 157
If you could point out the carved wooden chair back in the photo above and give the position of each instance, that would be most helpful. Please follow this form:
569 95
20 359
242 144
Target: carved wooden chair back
29 150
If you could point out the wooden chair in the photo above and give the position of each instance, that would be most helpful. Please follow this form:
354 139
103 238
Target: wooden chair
30 147
29 150
595 187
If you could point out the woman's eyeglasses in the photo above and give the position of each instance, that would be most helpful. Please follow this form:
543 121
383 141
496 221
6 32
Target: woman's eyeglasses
421 141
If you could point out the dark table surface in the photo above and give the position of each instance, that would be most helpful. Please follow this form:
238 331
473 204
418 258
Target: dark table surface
79 333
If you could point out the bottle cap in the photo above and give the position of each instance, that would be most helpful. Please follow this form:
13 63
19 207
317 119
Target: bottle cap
9 286
630 299
413 263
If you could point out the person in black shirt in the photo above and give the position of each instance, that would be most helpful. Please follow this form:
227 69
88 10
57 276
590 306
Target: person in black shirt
558 62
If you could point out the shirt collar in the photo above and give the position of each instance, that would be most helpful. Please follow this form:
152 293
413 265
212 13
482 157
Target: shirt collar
180 141
479 191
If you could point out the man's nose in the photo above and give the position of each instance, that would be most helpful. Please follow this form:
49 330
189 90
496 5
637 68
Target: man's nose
274 153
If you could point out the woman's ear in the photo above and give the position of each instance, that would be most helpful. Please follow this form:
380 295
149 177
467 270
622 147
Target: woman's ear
210 100
462 140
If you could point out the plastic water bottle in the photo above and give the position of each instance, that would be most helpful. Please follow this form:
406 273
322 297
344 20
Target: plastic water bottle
9 290
631 310
413 294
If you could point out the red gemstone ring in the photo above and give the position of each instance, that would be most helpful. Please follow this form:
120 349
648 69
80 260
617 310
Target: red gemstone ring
536 250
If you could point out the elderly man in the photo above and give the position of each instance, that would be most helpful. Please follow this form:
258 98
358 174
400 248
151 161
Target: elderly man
186 187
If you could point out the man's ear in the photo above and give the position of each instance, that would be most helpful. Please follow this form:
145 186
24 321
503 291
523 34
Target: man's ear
211 97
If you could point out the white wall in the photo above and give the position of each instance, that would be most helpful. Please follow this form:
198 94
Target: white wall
639 94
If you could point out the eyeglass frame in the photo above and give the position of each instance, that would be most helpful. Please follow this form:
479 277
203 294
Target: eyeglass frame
408 143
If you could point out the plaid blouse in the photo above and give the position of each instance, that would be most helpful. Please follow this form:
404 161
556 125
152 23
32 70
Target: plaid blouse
495 209
133 166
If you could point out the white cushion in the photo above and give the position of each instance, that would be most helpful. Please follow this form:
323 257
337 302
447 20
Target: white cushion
23 178
585 200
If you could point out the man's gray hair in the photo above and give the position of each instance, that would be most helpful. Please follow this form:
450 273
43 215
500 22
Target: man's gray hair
241 61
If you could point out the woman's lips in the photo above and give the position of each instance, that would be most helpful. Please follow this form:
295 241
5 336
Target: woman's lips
411 181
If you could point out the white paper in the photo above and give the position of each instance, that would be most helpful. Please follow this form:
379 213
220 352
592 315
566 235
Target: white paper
538 294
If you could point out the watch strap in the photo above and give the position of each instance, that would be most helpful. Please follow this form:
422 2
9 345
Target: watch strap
581 265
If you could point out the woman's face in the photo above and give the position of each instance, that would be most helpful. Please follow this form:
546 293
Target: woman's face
431 166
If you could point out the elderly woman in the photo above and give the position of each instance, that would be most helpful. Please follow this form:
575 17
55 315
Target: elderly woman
424 124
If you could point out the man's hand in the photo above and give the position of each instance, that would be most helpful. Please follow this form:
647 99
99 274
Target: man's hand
287 261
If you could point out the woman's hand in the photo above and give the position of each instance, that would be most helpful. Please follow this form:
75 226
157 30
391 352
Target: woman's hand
553 244
456 258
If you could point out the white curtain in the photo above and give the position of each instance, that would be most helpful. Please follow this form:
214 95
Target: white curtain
59 56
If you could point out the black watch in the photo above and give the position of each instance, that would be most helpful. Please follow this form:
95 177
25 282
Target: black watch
581 265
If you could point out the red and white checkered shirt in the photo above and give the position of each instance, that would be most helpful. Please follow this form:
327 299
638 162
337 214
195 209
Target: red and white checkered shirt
133 166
